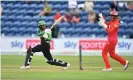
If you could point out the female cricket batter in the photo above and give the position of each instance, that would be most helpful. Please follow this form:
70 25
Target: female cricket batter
112 28
44 47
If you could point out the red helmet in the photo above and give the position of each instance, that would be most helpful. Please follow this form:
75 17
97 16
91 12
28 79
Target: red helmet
114 13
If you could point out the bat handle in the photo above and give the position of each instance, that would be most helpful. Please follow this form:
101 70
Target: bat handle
52 26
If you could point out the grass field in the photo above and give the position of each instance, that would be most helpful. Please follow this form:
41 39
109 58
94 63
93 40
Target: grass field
92 65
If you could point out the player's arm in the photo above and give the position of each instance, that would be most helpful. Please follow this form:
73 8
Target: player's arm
112 28
102 21
40 33
49 37
105 25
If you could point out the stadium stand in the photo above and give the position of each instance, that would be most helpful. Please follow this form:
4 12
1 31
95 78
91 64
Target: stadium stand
20 19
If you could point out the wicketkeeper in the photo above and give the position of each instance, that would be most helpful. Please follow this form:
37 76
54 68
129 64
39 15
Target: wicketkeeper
44 47
112 29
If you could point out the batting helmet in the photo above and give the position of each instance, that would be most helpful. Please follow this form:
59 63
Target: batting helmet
41 23
114 13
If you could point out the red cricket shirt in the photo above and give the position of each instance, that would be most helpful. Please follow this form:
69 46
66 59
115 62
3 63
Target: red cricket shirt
112 30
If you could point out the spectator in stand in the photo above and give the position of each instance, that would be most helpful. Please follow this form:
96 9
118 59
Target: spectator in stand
130 5
113 6
68 17
58 15
80 6
122 5
91 16
72 4
47 10
76 17
1 9
27 1
88 5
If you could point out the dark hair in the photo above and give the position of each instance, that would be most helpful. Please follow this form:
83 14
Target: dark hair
40 27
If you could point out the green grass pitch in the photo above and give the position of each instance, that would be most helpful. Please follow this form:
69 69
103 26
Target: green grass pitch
40 70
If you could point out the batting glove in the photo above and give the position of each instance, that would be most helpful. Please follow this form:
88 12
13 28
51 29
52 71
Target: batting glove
45 35
48 31
101 23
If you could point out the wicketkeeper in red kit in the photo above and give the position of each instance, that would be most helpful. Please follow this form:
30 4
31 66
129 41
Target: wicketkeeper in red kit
111 28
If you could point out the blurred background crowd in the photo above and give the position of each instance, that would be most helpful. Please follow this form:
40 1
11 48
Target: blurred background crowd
20 18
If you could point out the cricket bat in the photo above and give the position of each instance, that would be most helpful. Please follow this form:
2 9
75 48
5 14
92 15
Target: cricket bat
56 22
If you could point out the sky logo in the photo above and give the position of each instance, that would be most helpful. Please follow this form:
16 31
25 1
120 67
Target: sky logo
124 45
70 44
17 44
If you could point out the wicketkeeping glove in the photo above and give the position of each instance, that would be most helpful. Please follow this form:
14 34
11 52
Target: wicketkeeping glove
101 16
101 23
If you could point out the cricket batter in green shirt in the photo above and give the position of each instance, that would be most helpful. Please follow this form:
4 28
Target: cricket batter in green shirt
44 47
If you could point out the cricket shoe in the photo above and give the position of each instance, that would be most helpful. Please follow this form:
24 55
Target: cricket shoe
25 67
126 66
107 69
64 68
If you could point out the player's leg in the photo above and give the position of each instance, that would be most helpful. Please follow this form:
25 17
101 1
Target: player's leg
105 51
107 48
118 58
51 61
48 56
46 51
29 55
64 64
58 62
